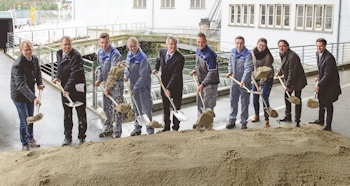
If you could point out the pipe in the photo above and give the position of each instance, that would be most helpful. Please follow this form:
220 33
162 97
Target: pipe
338 32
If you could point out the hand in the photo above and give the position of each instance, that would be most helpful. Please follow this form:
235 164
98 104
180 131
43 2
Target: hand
56 80
316 79
155 71
287 89
168 93
97 83
228 75
193 72
65 93
260 89
242 84
36 102
126 79
317 89
200 88
277 75
106 93
41 87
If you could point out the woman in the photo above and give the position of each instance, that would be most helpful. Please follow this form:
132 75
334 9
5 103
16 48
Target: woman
262 57
139 74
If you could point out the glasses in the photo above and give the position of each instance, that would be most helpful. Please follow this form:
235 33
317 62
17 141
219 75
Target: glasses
282 46
263 46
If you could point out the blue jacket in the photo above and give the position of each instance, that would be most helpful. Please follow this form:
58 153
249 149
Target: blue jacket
241 65
207 66
107 60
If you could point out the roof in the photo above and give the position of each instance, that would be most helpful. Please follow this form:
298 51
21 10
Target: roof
5 14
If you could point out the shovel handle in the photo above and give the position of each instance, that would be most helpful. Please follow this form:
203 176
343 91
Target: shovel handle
109 97
165 92
284 86
132 98
200 95
239 83
62 90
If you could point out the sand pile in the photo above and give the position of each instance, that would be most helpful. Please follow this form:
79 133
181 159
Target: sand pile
273 156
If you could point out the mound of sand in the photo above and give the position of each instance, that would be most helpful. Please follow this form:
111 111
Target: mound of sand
273 156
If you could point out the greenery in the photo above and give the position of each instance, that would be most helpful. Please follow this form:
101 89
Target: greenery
27 4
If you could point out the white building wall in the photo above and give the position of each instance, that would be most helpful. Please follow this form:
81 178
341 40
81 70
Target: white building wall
294 37
345 21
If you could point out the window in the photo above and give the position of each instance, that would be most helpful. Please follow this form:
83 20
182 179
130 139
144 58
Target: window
167 4
242 15
274 16
197 3
139 3
314 17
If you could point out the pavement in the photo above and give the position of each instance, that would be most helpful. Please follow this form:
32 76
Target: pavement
49 131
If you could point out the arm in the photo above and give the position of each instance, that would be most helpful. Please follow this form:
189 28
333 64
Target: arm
76 69
176 73
143 75
39 80
292 70
330 68
112 77
99 71
21 83
248 68
212 69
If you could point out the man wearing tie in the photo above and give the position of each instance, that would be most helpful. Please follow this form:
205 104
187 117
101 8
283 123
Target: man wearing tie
328 86
172 64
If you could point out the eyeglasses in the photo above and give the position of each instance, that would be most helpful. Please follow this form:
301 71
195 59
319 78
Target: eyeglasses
263 46
282 46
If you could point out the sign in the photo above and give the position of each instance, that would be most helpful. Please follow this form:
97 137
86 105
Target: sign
32 14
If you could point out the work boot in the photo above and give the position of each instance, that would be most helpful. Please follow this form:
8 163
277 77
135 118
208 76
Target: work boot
67 142
194 126
135 133
286 118
25 148
33 143
267 124
298 124
115 136
255 118
106 133
81 141
316 122
230 124
244 126
327 128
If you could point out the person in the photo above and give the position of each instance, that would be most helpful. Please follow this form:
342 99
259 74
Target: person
240 67
25 73
138 71
294 79
71 76
172 64
262 57
107 58
207 72
328 86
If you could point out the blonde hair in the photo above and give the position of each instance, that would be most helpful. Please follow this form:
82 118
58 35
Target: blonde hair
26 42
133 39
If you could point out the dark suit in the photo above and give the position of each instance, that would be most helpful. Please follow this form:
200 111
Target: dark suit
70 71
329 86
295 80
173 81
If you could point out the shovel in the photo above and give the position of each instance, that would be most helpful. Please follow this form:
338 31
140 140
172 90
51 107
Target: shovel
109 97
313 103
71 103
177 113
143 119
249 91
38 116
290 98
200 95
271 112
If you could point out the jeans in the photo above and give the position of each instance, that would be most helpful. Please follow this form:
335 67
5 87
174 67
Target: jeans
25 109
266 89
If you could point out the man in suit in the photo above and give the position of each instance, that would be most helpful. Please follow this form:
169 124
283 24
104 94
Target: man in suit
71 75
328 86
294 79
172 64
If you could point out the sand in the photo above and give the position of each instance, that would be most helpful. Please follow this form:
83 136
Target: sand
272 156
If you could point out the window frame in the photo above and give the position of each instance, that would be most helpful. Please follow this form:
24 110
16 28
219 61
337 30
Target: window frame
140 4
318 12
268 14
163 4
194 4
237 14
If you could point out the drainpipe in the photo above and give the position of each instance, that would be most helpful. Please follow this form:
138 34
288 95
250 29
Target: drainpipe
338 34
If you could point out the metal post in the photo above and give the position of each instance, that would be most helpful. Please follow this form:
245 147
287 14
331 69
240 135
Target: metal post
342 59
76 32
38 55
49 36
32 36
303 55
52 65
112 30
94 90
96 32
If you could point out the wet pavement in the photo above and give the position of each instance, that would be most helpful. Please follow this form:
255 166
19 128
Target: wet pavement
49 131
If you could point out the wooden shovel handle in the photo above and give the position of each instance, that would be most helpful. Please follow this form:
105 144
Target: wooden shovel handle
284 86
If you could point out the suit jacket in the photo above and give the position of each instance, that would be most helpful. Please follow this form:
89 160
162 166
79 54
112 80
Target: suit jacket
293 71
171 72
328 78
70 71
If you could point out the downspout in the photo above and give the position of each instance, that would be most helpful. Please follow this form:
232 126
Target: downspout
338 34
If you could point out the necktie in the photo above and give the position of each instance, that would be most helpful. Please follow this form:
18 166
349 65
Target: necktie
169 56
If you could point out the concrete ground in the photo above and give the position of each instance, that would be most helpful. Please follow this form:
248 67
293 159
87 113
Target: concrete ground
49 131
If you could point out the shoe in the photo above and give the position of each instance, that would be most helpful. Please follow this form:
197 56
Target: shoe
244 126
298 124
194 126
115 136
25 148
230 124
327 128
67 142
267 124
106 133
33 143
287 119
81 141
255 118
135 133
316 122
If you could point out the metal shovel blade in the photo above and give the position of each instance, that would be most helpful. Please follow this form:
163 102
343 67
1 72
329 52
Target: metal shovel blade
143 120
75 104
180 115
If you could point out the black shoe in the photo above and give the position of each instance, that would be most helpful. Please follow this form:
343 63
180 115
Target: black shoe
327 128
287 119
25 148
67 142
298 124
116 136
106 133
231 124
33 143
135 133
194 126
244 126
316 122
81 141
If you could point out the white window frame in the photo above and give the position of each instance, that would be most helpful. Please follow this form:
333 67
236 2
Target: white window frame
319 17
270 23
278 16
239 17
286 16
270 17
140 3
167 4
197 4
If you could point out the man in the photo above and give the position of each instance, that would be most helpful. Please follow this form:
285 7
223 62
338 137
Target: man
25 73
328 86
172 64
240 67
107 58
294 78
208 75
70 73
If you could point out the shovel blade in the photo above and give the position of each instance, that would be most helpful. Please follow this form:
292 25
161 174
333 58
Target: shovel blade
143 120
75 104
180 115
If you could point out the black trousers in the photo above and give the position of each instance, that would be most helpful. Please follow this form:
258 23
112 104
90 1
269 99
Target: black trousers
297 93
322 108
68 122
166 112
